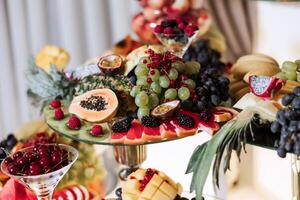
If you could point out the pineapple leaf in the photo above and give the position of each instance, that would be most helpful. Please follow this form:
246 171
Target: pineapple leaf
230 137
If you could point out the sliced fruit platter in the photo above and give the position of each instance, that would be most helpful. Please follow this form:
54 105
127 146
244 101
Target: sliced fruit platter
162 97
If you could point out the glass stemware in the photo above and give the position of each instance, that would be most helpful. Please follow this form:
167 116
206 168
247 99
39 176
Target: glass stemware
177 43
43 185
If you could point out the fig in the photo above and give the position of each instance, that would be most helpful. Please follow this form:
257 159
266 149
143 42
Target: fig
111 64
166 110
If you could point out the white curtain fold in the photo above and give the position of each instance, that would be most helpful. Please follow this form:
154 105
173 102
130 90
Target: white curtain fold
84 28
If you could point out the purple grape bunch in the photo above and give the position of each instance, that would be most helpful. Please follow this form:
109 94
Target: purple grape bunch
287 123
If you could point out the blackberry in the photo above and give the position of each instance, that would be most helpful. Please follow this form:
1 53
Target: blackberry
122 125
205 115
150 121
186 105
186 120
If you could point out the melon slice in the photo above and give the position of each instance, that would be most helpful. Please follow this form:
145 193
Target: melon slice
167 130
223 114
151 133
118 138
95 106
263 86
182 131
134 135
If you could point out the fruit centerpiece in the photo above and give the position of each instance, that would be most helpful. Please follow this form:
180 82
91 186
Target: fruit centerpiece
137 94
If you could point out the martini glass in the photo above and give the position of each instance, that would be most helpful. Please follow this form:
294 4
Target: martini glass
43 185
177 43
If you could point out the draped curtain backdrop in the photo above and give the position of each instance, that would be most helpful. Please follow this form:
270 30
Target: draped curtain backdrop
85 28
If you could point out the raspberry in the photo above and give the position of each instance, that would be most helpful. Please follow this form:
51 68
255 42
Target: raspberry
149 80
97 130
168 31
181 26
55 103
152 72
58 114
74 122
158 29
179 20
190 30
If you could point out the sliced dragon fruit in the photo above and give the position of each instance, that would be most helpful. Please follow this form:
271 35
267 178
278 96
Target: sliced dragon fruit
264 86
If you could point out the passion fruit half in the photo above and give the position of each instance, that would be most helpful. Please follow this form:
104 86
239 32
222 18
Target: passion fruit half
111 64
166 110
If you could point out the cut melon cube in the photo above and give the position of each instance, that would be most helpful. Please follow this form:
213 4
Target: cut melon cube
159 195
132 187
168 190
155 181
168 179
138 174
126 196
149 191
142 198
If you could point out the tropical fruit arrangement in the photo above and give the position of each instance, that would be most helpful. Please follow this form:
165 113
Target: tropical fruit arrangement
142 92
151 95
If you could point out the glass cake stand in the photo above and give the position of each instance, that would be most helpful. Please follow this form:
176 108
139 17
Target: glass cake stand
129 155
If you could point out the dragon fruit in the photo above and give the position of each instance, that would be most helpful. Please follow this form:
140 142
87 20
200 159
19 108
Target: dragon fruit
264 86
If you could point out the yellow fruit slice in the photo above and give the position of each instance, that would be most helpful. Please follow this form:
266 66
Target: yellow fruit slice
149 191
131 186
51 54
159 195
168 190
234 87
239 69
257 57
126 196
138 174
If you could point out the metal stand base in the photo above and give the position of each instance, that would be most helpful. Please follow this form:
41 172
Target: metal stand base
130 156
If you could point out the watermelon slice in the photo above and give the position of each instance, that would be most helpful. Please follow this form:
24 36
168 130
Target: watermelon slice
264 86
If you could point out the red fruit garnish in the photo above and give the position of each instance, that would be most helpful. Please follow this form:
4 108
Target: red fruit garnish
45 162
35 169
149 80
190 30
13 169
184 77
158 29
74 122
181 26
17 155
97 130
168 31
179 20
8 160
22 161
152 72
55 103
58 114
56 157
